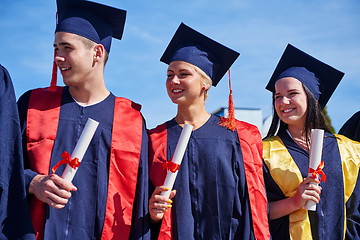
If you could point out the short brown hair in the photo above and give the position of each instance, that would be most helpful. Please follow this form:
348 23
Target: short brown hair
89 44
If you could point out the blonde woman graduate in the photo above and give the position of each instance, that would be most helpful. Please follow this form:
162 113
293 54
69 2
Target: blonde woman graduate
219 187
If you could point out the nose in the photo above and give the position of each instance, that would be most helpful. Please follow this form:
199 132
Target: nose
175 80
58 58
285 100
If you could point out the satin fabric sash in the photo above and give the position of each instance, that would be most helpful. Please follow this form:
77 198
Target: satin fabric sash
251 148
158 150
41 127
350 161
288 177
123 172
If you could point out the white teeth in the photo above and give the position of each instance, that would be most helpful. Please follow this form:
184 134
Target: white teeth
63 69
177 90
287 110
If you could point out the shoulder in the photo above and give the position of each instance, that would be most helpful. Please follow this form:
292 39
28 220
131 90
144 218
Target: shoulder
25 97
158 130
272 145
248 132
125 102
6 86
272 139
347 142
247 127
23 102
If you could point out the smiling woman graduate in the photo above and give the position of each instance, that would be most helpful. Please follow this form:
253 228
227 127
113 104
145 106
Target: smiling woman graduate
219 187
301 87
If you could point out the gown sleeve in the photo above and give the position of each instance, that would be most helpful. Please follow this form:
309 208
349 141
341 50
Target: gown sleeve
14 211
353 213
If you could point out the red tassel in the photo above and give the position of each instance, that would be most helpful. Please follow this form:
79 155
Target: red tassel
229 122
53 77
54 70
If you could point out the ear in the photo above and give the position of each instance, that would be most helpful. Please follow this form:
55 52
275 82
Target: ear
99 52
206 86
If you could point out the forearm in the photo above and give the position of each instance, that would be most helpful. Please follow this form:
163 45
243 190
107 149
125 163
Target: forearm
282 208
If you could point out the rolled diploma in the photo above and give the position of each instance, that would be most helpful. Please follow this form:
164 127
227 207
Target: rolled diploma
177 157
81 147
316 146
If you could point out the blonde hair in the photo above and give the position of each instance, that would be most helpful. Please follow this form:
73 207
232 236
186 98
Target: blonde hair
206 80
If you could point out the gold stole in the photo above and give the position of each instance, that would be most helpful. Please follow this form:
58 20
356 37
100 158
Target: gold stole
287 176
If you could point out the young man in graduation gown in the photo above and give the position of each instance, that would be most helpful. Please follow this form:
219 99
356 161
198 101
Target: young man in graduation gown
351 128
108 196
15 220
286 152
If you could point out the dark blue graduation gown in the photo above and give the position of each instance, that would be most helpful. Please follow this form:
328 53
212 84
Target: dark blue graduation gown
327 222
83 216
211 200
14 213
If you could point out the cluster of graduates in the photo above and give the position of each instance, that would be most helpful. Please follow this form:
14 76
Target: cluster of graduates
231 183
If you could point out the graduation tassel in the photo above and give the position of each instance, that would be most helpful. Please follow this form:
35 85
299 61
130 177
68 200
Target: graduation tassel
54 70
229 122
53 76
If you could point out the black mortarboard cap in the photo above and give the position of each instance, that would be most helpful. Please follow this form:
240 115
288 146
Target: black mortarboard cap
193 47
319 77
91 20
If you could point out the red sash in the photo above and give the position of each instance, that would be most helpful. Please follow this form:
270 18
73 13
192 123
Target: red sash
251 147
42 123
41 127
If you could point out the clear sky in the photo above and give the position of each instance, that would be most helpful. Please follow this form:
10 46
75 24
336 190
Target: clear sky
260 30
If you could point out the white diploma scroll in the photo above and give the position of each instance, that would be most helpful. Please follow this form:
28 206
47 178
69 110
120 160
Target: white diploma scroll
316 146
177 158
81 147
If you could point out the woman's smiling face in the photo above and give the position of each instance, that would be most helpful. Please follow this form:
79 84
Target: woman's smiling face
290 101
184 84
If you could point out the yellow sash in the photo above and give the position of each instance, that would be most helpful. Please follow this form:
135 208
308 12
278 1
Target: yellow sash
350 160
287 176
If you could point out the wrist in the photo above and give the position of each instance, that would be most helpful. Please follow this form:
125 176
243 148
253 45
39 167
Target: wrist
33 183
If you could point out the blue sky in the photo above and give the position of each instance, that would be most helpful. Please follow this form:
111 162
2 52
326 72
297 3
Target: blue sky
259 30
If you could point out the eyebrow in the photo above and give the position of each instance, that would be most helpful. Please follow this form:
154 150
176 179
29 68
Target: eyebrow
61 44
291 90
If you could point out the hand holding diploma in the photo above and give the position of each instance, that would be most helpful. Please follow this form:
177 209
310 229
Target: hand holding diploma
55 190
315 163
159 201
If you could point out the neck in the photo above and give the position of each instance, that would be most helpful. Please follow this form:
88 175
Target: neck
195 116
89 93
299 136
297 132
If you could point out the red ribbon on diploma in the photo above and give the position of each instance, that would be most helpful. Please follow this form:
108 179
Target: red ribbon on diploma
173 167
318 171
74 163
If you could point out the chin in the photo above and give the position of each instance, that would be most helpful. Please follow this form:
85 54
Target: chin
68 82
